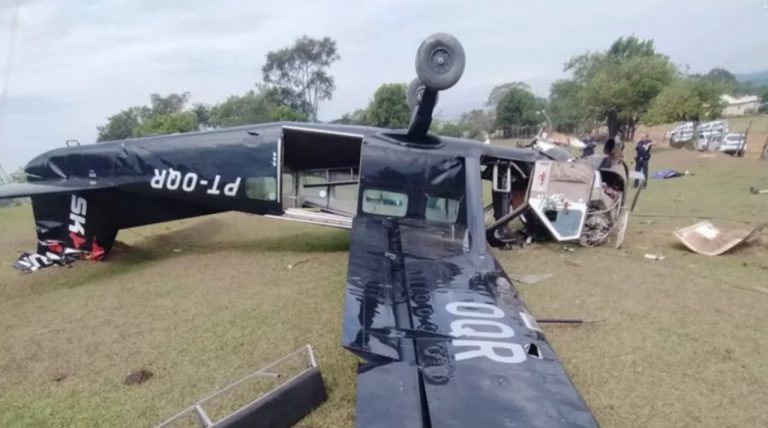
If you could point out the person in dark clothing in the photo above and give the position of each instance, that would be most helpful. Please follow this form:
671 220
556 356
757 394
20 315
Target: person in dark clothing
643 158
589 149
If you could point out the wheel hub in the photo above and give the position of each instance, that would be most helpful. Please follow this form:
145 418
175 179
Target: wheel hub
440 60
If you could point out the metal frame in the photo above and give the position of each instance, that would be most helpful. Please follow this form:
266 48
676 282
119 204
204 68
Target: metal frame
204 421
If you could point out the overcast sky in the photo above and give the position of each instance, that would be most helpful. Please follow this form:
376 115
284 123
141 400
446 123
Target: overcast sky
78 61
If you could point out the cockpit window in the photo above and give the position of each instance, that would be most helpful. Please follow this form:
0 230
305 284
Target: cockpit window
444 210
383 202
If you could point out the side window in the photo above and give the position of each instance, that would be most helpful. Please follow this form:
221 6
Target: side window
383 202
262 188
444 210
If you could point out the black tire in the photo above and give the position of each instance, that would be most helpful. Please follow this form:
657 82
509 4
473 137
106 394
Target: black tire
440 61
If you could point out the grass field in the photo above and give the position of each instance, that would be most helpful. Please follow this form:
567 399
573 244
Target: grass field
202 302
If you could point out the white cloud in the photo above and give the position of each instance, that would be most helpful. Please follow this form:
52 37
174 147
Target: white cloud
78 61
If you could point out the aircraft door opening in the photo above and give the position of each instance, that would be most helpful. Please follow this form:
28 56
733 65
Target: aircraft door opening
319 175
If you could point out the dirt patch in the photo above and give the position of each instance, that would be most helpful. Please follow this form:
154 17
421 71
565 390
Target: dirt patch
138 376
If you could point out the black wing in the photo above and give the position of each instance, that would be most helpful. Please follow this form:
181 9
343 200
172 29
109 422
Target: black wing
447 341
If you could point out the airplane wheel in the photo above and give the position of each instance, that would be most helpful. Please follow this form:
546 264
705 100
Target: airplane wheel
440 61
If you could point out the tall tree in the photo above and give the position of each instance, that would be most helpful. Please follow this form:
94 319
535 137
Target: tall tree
388 108
627 77
518 107
122 125
566 105
171 103
498 92
720 75
477 124
164 115
690 100
300 73
251 107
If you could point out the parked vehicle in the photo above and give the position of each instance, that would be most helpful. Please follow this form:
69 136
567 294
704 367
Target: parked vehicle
734 144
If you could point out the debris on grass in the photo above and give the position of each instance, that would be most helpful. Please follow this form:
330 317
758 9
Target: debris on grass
58 376
756 191
670 173
291 266
706 239
651 256
138 376
532 278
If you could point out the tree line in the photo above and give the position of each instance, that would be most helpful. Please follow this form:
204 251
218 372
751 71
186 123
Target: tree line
643 85
295 79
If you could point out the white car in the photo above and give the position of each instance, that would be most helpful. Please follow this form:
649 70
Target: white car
734 144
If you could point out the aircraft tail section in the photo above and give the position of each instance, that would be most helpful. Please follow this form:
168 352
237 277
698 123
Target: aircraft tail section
71 226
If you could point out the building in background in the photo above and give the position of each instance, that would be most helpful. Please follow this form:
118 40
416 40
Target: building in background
739 106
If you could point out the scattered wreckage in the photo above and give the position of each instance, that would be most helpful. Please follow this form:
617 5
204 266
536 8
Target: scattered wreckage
706 239
444 337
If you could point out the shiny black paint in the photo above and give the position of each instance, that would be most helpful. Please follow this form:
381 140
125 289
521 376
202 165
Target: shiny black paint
403 272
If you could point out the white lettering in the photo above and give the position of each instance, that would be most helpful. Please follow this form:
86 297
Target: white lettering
79 205
190 181
214 190
464 328
158 180
78 224
174 179
231 188
476 310
488 350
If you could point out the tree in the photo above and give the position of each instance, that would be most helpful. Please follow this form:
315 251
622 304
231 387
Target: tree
202 114
251 107
720 75
388 109
566 105
627 77
357 117
498 92
477 124
285 113
448 129
164 115
625 49
172 103
122 125
170 123
300 73
518 107
690 100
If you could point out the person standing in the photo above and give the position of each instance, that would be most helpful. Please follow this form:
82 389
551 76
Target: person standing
589 148
643 158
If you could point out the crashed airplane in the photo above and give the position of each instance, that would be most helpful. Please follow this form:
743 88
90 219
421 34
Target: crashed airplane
445 339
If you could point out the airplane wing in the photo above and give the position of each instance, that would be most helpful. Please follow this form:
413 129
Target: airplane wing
447 342
20 190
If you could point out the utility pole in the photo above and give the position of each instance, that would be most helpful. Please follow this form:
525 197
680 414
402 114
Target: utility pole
740 153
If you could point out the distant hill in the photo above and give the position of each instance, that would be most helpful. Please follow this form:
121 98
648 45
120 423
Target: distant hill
757 78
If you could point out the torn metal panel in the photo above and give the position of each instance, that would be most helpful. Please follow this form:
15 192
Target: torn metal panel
560 194
706 239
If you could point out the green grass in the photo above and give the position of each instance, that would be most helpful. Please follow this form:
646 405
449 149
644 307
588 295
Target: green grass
202 302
